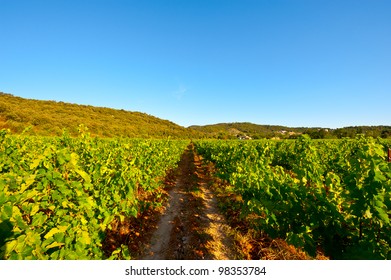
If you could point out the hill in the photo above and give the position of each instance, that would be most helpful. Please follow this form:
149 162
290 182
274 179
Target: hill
51 118
242 129
246 130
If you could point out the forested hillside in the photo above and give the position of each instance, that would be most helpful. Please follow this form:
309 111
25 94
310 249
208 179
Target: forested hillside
51 118
37 117
246 130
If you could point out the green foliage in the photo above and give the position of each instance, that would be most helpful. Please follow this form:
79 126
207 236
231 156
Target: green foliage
329 194
59 195
255 131
50 118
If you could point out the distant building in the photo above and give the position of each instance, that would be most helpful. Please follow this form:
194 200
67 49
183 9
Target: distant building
244 137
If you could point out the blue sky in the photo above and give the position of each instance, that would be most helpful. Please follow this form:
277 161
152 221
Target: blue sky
294 62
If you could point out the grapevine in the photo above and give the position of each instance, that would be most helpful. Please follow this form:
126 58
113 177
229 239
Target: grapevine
59 196
329 194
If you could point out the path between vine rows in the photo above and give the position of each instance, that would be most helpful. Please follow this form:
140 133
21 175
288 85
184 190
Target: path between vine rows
192 226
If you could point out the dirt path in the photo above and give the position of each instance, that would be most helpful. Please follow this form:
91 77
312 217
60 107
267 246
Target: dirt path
191 227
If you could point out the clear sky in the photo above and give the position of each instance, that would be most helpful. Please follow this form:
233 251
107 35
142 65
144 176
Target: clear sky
324 63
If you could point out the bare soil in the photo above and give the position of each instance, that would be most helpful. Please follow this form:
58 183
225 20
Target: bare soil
191 226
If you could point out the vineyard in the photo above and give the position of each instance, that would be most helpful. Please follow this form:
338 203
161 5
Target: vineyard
59 196
63 197
332 196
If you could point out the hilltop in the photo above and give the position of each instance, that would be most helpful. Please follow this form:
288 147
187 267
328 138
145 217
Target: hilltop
52 117
243 129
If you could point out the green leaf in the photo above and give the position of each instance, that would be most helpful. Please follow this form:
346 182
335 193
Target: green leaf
16 212
55 255
55 230
33 238
48 164
368 214
379 177
20 222
84 175
39 254
21 244
31 194
38 219
383 215
85 238
35 163
3 198
54 244
73 160
27 252
34 209
7 211
125 252
9 247
30 180
59 237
